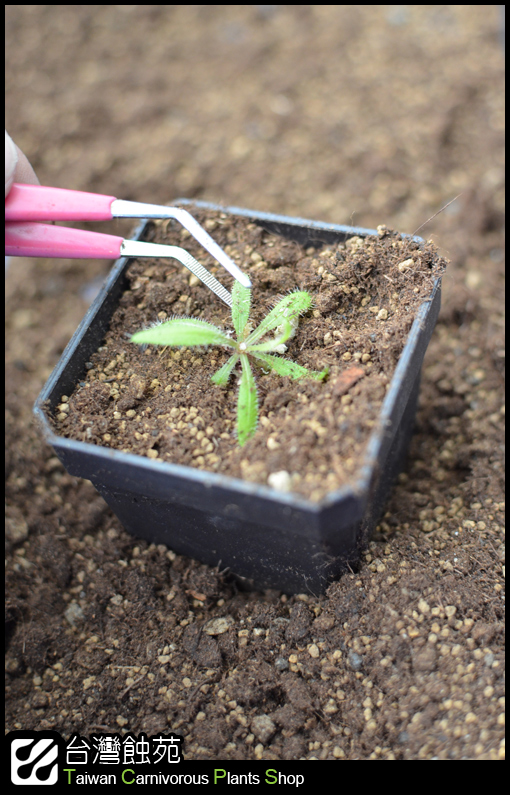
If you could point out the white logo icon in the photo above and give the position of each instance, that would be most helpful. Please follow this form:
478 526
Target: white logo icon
34 762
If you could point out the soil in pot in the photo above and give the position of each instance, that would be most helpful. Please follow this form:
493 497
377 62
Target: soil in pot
160 403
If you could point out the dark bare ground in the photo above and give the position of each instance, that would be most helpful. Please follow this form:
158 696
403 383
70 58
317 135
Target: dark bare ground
403 659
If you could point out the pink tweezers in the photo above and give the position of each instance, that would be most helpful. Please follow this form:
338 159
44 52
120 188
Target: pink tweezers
24 237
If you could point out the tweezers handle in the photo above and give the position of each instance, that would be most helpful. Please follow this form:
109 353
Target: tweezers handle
41 203
44 240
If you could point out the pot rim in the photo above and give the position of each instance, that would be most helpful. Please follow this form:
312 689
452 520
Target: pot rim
360 482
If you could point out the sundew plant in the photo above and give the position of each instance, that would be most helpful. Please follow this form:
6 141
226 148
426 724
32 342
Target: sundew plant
258 346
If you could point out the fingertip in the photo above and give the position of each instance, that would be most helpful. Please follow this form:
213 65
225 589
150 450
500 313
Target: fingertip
11 161
24 172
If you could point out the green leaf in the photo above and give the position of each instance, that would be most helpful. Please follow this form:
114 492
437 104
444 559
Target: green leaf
282 366
272 345
288 309
318 376
222 375
241 297
183 331
247 404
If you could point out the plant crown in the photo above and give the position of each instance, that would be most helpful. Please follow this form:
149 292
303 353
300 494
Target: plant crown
282 320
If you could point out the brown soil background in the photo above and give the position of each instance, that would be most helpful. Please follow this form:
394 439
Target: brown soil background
348 114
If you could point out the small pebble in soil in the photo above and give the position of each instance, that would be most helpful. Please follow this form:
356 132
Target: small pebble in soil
263 728
281 481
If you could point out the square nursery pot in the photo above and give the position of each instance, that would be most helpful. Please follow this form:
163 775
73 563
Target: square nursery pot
265 537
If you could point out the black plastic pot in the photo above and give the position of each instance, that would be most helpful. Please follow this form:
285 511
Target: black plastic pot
266 537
